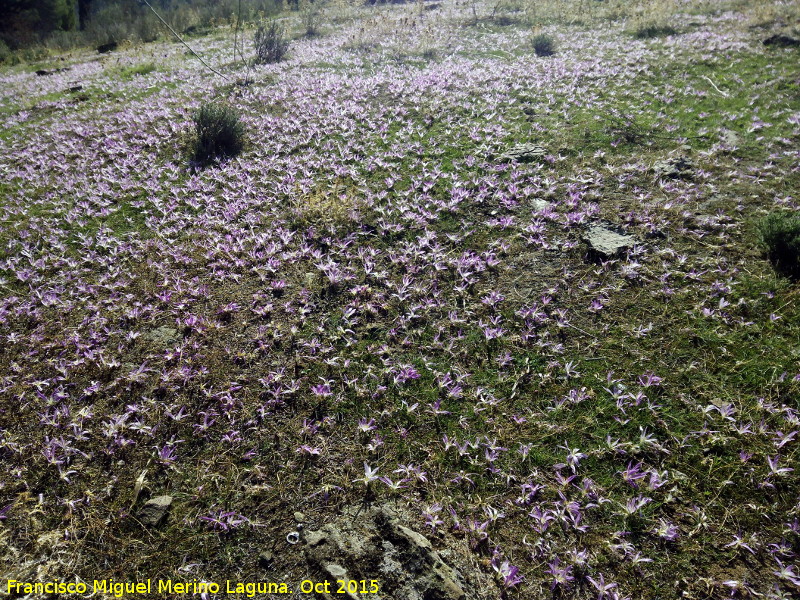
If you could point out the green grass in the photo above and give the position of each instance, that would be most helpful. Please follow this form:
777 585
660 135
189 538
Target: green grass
129 72
646 31
705 359
676 104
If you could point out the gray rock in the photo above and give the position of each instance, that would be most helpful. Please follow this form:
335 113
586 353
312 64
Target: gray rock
339 573
154 510
524 153
336 571
539 205
606 242
315 538
361 544
163 336
299 517
265 559
728 138
675 168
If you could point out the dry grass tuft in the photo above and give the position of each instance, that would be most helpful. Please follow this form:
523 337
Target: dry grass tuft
331 205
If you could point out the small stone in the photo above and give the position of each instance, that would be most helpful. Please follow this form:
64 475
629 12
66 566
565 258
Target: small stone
729 138
539 205
299 517
606 242
163 336
265 559
154 510
336 571
524 153
674 168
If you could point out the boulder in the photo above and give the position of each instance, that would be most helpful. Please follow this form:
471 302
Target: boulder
375 544
266 559
728 138
539 205
606 242
154 510
163 337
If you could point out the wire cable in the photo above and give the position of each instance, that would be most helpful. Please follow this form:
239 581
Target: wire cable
167 25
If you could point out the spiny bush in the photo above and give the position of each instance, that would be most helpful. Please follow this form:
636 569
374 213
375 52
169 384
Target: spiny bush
219 132
271 43
780 236
543 45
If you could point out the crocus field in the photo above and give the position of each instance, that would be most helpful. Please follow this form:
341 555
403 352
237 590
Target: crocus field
371 304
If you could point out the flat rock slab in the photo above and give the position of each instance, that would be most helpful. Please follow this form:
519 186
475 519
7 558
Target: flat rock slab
154 510
680 167
374 544
606 242
524 153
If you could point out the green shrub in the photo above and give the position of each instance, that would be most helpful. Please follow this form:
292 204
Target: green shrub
780 236
219 132
6 55
651 30
543 45
271 43
137 70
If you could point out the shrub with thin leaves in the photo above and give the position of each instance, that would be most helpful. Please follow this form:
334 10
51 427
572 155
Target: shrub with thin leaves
220 132
543 45
271 43
780 235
